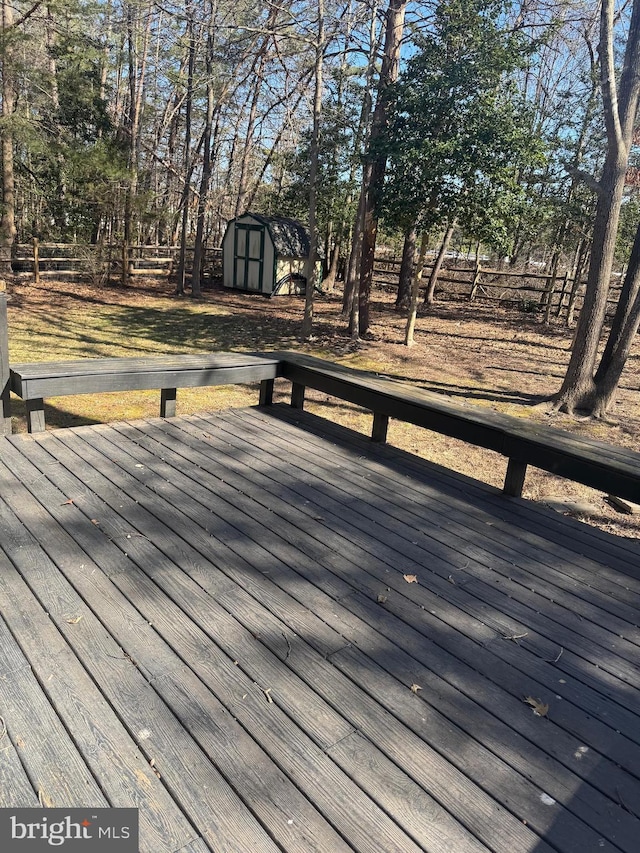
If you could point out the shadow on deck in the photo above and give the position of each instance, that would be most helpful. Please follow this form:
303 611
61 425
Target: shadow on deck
267 633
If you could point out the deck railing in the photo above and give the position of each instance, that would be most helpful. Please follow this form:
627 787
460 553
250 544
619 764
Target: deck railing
602 466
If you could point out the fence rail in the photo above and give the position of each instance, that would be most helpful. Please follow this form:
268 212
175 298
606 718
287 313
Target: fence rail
99 262
554 294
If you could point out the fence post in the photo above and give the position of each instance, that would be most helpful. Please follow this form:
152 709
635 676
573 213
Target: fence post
476 280
36 261
5 397
125 264
565 285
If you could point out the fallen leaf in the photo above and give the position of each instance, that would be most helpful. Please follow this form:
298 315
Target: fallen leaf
381 598
94 521
540 708
73 620
411 578
70 501
415 688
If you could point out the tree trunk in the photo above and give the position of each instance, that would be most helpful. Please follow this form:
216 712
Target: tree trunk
374 167
352 277
577 280
310 263
259 68
415 290
7 217
403 299
136 81
623 331
205 177
579 389
184 223
329 281
437 265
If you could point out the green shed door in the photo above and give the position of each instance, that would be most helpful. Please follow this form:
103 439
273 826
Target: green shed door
248 257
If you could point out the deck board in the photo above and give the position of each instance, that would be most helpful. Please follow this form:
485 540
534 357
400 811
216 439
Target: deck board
243 667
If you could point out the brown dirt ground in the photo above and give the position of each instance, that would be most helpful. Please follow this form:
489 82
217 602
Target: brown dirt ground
474 353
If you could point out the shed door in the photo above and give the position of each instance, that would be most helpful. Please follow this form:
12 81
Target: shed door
248 256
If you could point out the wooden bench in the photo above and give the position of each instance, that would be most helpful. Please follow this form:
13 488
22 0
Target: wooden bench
35 382
611 469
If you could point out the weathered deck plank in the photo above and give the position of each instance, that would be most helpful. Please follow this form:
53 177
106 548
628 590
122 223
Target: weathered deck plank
182 504
221 818
249 642
567 597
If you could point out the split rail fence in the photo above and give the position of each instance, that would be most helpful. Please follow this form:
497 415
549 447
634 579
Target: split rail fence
556 294
100 262
552 294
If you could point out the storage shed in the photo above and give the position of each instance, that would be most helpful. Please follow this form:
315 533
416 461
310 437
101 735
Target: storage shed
265 254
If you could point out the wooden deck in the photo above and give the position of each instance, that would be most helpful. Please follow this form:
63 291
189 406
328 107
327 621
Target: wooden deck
268 633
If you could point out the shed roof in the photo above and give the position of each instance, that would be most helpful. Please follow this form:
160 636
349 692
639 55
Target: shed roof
290 237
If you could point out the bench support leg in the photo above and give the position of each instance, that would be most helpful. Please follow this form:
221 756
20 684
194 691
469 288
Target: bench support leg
168 402
514 481
379 430
5 411
266 392
297 395
35 415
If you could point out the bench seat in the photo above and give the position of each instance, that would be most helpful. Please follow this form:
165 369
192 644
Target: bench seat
614 470
34 382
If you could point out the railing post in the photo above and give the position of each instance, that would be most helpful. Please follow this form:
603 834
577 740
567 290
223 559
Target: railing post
168 398
266 392
514 481
5 396
380 426
297 395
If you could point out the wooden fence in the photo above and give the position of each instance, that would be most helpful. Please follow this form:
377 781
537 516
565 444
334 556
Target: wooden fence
100 262
552 294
